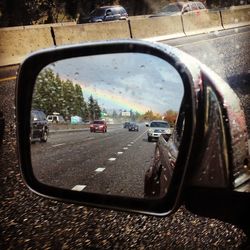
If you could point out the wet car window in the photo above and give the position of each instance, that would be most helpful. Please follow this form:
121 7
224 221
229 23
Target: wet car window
159 124
172 8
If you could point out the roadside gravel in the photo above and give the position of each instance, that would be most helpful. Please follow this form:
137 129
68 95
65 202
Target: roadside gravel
28 221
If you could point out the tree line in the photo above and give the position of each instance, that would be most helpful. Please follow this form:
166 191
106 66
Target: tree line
28 12
169 116
52 94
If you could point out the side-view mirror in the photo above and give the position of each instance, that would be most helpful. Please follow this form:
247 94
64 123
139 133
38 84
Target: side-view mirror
108 166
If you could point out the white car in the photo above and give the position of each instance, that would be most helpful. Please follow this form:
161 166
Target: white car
158 127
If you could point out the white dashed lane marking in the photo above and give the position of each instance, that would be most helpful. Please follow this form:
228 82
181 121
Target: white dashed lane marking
100 170
119 153
79 187
112 159
125 148
58 145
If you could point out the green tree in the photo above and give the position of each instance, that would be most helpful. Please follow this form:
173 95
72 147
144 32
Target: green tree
80 105
69 108
114 114
51 94
170 116
97 110
94 109
47 93
91 108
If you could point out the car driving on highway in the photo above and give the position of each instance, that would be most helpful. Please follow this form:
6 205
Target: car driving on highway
98 126
180 8
55 118
126 124
108 13
133 126
39 126
158 127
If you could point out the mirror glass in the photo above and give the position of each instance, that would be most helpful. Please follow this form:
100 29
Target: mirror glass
91 123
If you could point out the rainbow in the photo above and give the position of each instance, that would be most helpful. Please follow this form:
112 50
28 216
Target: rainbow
125 103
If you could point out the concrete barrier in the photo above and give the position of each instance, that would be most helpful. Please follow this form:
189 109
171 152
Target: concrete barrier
236 16
157 28
201 22
138 17
91 32
16 43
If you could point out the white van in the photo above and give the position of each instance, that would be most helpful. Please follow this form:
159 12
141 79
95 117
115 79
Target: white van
55 119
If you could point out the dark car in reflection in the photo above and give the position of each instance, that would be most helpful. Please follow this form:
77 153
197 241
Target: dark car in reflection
108 13
179 8
98 126
159 174
126 124
133 126
39 126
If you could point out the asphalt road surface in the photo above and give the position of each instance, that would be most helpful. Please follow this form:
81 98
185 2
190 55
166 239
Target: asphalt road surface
32 222
95 162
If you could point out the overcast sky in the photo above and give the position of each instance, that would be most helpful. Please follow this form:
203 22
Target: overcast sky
125 81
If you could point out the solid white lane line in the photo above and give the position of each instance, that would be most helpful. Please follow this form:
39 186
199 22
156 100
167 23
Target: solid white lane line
100 170
112 159
79 187
58 145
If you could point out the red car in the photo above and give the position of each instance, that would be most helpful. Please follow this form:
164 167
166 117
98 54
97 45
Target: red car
98 125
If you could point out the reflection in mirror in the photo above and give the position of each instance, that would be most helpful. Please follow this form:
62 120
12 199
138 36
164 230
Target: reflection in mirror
88 124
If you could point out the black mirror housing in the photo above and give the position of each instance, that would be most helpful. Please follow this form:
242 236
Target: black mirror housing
24 91
203 102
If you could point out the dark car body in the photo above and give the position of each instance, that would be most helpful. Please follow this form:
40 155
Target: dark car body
98 126
180 8
126 124
133 127
158 176
39 126
108 13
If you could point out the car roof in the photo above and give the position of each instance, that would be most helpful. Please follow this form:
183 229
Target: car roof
159 121
183 3
110 6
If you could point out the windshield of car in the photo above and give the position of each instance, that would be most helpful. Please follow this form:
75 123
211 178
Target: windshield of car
159 125
97 12
172 8
98 122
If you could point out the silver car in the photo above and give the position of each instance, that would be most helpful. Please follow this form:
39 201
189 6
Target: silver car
180 8
158 127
